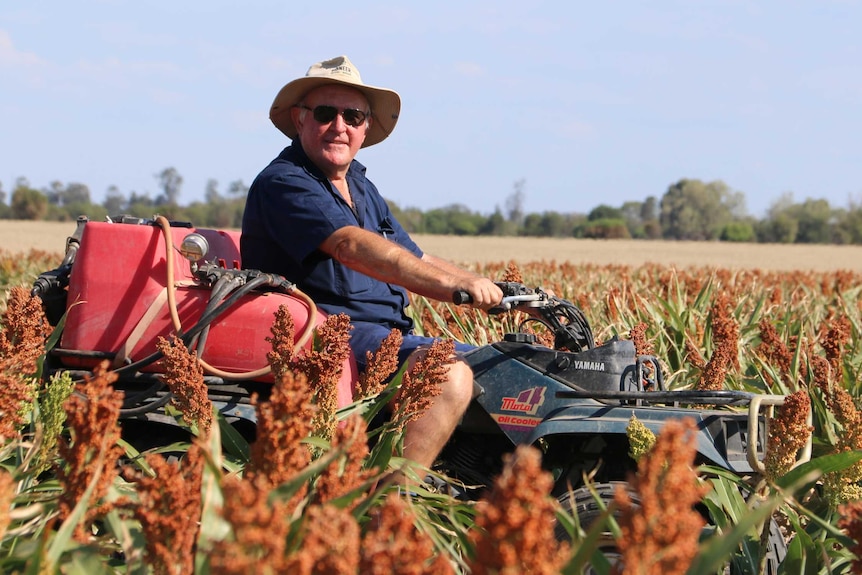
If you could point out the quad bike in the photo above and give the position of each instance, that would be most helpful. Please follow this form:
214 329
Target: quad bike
121 287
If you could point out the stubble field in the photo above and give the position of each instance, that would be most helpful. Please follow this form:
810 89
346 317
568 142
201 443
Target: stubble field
22 236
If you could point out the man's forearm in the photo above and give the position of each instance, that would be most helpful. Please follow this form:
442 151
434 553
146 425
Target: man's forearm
387 261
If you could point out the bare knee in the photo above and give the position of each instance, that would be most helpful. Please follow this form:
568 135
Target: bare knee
458 388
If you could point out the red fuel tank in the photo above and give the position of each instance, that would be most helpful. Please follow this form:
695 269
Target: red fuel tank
117 303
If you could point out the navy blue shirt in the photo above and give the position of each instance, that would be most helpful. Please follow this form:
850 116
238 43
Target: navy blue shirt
292 208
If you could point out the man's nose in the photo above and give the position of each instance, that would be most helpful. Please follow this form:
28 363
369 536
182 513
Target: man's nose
338 123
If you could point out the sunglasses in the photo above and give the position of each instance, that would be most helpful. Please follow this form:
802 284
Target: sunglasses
326 114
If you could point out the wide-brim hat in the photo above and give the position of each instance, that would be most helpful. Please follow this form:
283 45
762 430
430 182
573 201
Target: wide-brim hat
385 104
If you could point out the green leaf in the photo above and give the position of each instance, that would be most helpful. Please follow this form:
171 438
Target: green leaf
806 474
213 526
588 551
232 440
718 548
64 534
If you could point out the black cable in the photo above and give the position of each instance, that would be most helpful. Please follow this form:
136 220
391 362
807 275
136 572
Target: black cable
147 407
205 320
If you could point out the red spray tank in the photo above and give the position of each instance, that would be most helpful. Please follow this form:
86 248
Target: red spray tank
130 285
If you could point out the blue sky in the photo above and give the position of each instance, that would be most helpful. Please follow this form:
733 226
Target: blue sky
588 103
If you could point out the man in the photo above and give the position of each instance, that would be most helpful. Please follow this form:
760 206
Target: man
313 217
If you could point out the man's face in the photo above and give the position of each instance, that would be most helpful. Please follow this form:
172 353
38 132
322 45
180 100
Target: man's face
331 145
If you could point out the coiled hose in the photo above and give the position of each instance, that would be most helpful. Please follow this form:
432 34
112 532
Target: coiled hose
213 311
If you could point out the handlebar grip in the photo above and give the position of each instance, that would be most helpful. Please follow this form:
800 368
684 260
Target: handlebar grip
461 297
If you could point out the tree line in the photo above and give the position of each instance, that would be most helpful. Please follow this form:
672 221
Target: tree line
689 209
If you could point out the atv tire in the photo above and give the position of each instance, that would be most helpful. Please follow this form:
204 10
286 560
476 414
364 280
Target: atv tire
582 503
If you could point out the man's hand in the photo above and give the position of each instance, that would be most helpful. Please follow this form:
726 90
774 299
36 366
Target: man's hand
484 293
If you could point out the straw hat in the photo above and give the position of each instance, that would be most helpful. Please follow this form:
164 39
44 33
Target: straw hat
385 104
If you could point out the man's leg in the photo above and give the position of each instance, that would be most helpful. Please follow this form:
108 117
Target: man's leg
425 437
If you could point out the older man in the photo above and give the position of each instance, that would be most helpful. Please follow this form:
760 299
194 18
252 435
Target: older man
313 217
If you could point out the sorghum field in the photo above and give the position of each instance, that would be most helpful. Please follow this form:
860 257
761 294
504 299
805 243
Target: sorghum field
309 496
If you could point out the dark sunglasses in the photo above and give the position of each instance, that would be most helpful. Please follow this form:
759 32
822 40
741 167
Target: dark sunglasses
326 114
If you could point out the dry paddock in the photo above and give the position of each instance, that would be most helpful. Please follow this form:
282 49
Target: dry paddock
21 236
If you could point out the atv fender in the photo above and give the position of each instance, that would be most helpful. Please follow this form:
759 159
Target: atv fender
721 435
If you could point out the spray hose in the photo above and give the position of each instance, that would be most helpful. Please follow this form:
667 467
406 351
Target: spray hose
212 312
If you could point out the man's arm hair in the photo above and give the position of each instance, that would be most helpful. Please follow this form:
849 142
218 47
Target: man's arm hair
384 260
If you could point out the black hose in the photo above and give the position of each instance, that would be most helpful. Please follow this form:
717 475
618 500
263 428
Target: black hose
143 395
147 407
223 286
206 319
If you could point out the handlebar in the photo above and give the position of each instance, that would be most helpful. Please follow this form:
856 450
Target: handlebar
462 297
567 322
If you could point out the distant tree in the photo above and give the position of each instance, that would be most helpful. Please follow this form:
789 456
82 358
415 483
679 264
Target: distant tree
411 219
816 219
140 205
813 221
559 225
54 193
694 210
850 222
649 209
220 215
780 229
28 203
650 218
211 193
4 209
631 213
170 181
652 229
738 231
779 226
77 193
605 212
515 202
454 219
604 228
547 224
532 226
496 225
237 188
115 201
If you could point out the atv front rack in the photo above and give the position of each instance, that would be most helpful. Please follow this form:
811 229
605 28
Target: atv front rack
754 401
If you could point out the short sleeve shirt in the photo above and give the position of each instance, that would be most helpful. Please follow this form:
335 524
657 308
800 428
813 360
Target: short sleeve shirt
292 208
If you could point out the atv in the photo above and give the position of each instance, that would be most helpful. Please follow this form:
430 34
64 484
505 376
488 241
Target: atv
128 281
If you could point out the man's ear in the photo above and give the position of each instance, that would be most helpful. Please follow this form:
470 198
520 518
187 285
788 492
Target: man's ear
297 114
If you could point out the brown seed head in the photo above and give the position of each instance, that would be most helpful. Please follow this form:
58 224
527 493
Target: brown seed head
347 472
392 545
515 522
320 552
283 421
380 366
169 511
323 366
184 376
660 535
422 382
92 414
788 433
259 527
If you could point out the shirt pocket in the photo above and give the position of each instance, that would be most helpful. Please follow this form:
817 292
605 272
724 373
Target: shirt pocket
351 282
